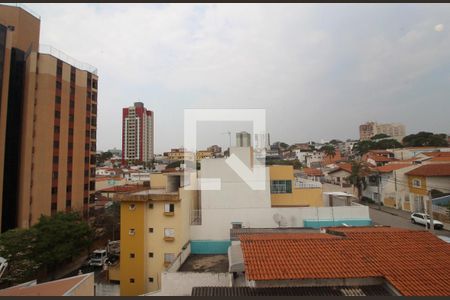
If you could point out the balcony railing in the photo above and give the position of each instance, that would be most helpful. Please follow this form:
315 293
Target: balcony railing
301 183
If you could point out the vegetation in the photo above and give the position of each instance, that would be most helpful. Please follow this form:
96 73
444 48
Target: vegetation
335 142
102 157
362 147
329 150
424 138
295 163
357 177
380 136
52 241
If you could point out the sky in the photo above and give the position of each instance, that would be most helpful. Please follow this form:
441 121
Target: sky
319 70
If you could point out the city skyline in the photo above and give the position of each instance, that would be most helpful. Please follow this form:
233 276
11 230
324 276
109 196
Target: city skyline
172 57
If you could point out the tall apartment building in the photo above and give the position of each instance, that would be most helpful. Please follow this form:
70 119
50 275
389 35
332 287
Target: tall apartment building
243 139
369 129
48 116
137 133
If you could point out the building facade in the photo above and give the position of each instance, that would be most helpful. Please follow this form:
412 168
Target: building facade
47 125
394 130
243 139
137 133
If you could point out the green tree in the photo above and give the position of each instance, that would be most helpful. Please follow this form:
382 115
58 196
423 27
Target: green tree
379 136
17 246
335 142
362 147
102 157
329 150
297 164
387 144
424 138
61 237
358 176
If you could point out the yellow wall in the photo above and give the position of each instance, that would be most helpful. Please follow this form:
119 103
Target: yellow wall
419 191
114 272
298 197
157 181
132 267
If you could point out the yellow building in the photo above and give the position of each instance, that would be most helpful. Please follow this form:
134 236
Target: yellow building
154 229
201 154
285 190
180 154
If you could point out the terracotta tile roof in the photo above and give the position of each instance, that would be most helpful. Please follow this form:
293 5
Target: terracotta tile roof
52 288
312 172
122 188
413 262
342 166
431 170
441 158
391 167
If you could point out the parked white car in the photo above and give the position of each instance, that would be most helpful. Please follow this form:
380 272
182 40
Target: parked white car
422 219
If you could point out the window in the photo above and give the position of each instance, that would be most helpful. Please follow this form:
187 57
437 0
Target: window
70 131
57 114
132 206
150 254
169 258
281 186
86 186
56 129
131 280
169 208
68 203
58 99
54 206
55 175
88 95
58 85
150 205
55 159
86 146
94 84
169 233
54 190
69 174
132 231
150 230
69 188
72 76
72 90
69 159
55 144
59 70
72 104
416 183
70 145
150 279
131 255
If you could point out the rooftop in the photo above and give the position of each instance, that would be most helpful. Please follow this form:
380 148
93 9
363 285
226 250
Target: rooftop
413 262
213 263
391 167
369 290
431 170
59 287
237 232
50 50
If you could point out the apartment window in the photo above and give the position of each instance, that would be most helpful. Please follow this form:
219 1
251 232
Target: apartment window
85 200
57 114
150 205
169 233
55 175
69 174
150 279
132 231
69 159
59 70
88 107
56 144
131 280
86 173
72 76
58 99
58 85
169 258
54 190
68 203
94 108
86 186
72 104
131 255
94 83
55 159
88 120
69 188
72 90
56 129
87 135
150 230
92 185
94 96
86 146
53 206
70 145
169 208
88 95
416 183
70 131
93 133
281 186
150 254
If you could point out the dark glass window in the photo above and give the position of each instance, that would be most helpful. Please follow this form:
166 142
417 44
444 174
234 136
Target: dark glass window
69 188
94 83
72 104
59 70
54 190
58 99
55 159
57 114
58 85
56 129
56 144
70 131
55 175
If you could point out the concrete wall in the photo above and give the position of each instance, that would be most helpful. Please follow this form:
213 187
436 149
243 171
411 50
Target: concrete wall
216 223
181 283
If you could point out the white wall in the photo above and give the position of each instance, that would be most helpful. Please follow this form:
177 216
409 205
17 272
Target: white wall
216 223
181 283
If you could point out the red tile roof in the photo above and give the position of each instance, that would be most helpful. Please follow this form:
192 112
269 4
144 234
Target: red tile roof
342 166
312 172
391 167
431 170
122 188
413 262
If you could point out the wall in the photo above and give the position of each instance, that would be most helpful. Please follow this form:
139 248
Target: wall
216 223
84 288
157 181
181 283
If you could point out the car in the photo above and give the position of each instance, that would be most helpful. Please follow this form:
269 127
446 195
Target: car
419 218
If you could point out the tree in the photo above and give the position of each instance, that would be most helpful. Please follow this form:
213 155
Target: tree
284 146
358 176
424 138
380 136
17 247
297 164
387 144
61 237
102 157
329 150
335 142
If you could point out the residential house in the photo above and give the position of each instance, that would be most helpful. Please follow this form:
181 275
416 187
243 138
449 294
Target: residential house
378 157
201 154
179 154
410 152
426 179
339 174
314 174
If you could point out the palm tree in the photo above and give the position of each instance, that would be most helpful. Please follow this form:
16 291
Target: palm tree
358 176
329 150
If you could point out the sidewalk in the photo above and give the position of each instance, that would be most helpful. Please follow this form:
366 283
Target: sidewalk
398 212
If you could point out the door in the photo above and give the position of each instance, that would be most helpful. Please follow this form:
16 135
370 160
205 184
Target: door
418 204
